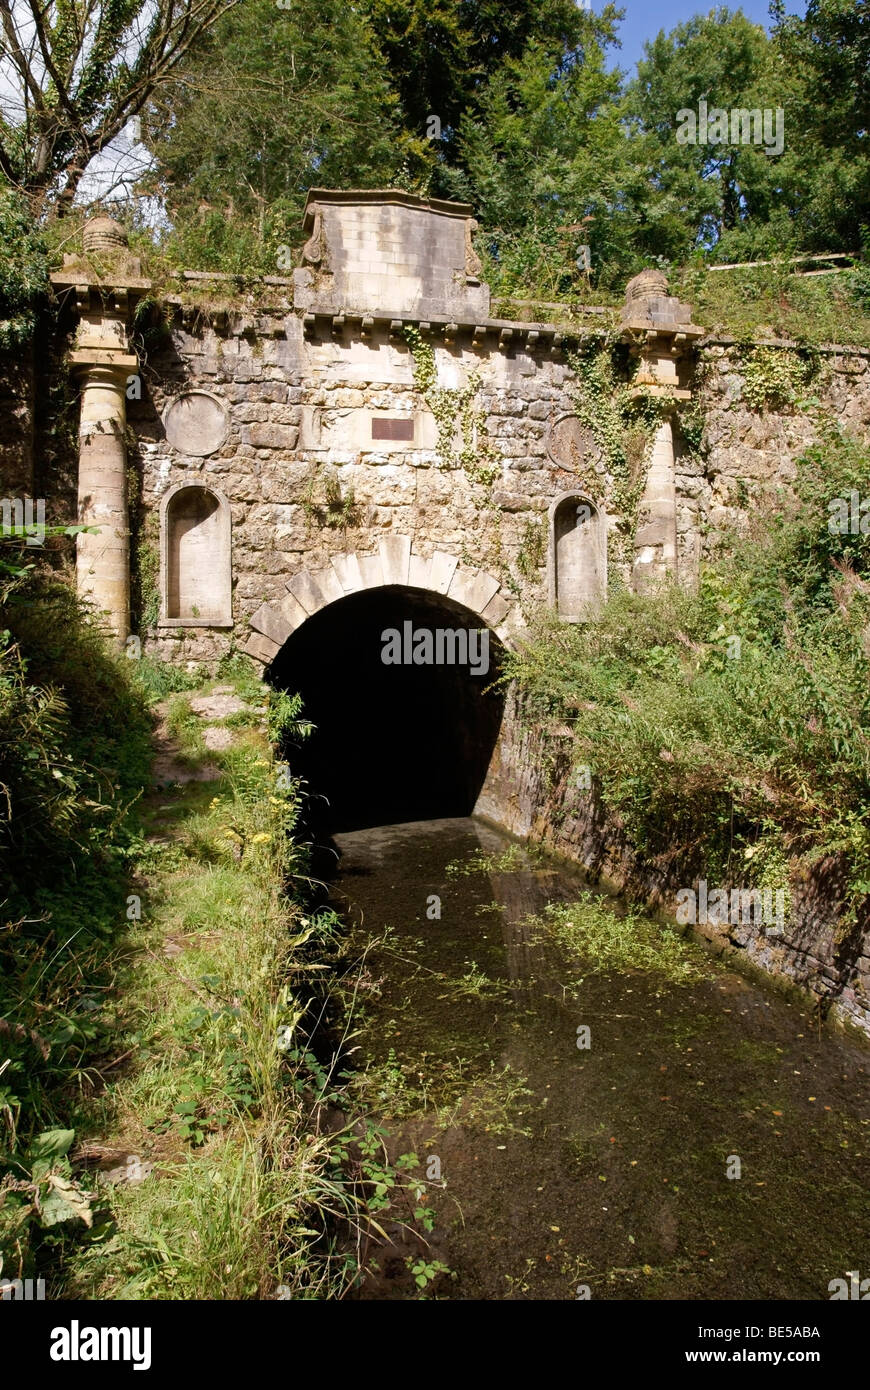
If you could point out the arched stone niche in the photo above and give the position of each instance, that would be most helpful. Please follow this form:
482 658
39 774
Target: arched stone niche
195 558
196 423
577 556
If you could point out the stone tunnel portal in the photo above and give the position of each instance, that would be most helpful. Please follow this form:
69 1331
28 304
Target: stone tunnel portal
396 738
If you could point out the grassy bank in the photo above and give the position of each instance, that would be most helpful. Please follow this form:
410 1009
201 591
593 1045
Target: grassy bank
769 300
728 729
173 1123
74 754
219 1181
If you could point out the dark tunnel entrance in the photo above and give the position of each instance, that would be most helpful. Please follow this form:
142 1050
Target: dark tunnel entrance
393 742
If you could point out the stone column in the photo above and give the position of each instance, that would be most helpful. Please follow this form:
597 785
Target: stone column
103 362
103 557
659 327
656 537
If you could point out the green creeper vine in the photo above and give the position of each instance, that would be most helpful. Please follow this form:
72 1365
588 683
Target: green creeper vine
774 378
623 425
691 415
533 548
451 407
145 576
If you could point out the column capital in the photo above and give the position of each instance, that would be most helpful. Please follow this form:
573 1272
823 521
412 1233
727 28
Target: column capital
105 276
660 330
113 364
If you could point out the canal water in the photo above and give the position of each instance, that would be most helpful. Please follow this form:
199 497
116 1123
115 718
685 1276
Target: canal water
603 1109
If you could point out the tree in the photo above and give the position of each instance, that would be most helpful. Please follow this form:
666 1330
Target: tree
23 271
829 51
700 193
542 154
273 102
73 73
441 53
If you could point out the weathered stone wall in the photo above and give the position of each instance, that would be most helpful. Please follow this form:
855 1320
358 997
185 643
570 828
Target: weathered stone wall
299 424
281 453
531 792
300 407
745 449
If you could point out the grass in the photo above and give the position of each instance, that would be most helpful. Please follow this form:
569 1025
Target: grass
761 301
707 757
227 1075
611 940
74 755
155 1009
456 1092
513 859
206 1012
768 301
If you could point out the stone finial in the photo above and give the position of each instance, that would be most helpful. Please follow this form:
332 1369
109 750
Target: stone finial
649 308
105 265
647 285
104 234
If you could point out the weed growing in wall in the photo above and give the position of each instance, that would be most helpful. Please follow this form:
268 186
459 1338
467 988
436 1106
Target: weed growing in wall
533 548
324 503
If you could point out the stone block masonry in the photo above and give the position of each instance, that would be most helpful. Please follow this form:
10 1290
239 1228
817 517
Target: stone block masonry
330 445
301 417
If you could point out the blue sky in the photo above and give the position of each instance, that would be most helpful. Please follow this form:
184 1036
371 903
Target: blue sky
644 19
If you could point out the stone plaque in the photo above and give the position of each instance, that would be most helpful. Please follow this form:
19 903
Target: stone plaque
196 423
572 446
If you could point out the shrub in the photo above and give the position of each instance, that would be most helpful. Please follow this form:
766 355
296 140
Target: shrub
708 748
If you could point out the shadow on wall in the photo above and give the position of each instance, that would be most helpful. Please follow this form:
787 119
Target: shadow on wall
393 742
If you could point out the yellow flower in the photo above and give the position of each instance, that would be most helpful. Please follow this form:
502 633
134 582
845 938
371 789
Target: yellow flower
261 838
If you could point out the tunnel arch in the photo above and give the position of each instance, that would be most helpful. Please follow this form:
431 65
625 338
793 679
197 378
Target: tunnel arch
400 684
397 562
431 740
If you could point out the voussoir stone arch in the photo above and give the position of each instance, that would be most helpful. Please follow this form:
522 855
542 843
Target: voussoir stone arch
395 564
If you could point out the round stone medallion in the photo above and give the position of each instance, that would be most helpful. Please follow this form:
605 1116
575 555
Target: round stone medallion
196 423
572 445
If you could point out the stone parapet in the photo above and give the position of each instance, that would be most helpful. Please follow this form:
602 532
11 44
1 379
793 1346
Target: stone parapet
391 251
